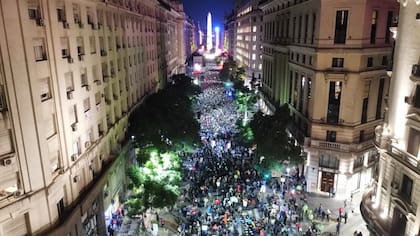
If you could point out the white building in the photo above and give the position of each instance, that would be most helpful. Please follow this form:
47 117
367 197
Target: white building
71 72
392 206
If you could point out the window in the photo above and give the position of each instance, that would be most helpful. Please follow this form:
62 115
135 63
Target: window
86 104
364 110
303 58
98 98
39 49
313 28
369 62
331 136
328 161
297 57
83 77
416 102
61 12
406 187
300 29
80 47
45 89
92 44
254 28
379 101
34 11
373 27
413 142
310 60
334 100
60 208
65 50
388 24
358 162
69 81
384 61
341 26
337 62
76 15
309 88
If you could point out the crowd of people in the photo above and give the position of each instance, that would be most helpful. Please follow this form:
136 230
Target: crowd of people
224 194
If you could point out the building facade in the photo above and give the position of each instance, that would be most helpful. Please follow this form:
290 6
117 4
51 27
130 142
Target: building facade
392 205
327 60
248 39
72 71
229 34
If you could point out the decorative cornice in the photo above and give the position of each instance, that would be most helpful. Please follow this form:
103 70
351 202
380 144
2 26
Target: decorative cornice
405 2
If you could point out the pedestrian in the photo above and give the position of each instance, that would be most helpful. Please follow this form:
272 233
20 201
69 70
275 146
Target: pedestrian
337 231
355 233
110 230
328 214
345 217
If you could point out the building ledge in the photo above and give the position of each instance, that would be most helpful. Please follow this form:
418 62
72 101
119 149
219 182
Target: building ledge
375 223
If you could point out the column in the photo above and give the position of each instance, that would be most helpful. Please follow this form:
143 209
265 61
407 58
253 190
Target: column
390 176
382 162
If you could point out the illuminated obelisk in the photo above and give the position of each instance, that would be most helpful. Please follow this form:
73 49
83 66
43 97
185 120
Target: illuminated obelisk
209 32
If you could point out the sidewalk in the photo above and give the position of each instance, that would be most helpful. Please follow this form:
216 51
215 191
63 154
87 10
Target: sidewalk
355 221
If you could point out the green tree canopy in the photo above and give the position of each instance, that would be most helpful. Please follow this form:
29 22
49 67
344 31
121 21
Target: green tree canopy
273 142
156 184
166 119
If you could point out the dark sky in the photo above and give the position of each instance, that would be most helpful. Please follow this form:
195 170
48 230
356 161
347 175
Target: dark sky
198 9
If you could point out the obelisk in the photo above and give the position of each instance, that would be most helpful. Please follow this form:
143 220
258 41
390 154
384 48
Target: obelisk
209 32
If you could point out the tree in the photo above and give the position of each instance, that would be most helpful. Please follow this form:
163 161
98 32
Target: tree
232 71
273 144
166 119
156 184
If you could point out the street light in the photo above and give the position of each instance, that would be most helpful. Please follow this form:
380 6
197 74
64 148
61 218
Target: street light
217 185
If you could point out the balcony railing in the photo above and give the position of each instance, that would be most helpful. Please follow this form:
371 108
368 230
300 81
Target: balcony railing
340 146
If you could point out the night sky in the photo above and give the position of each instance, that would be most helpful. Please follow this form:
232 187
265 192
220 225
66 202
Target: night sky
198 9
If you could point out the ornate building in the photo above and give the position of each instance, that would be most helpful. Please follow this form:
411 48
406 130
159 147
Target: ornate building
392 206
327 60
71 73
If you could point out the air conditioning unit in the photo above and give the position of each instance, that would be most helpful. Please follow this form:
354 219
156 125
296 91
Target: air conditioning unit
87 144
73 157
74 126
18 193
103 53
408 100
70 60
70 94
6 161
61 171
40 22
66 25
81 57
415 71
81 25
87 87
76 178
98 82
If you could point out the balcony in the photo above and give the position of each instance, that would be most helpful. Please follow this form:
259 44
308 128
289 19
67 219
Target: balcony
375 223
340 147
